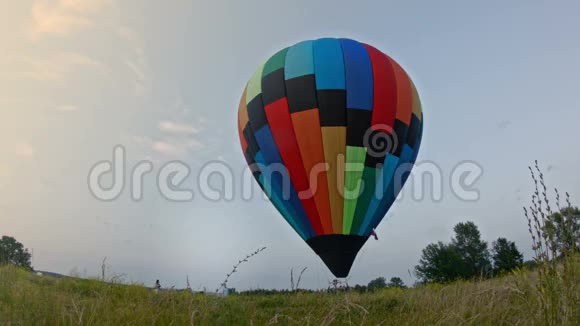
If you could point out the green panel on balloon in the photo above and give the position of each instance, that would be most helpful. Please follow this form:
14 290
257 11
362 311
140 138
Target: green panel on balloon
276 62
355 159
254 85
369 178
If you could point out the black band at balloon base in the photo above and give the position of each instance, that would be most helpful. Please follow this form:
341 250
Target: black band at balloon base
338 251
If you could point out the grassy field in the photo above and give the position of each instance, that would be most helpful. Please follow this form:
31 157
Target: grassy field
28 299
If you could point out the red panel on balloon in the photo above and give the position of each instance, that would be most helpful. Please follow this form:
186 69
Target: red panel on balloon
280 123
384 91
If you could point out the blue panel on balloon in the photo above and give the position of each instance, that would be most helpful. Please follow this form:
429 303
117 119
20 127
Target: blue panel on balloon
329 64
271 155
386 175
390 194
299 60
359 75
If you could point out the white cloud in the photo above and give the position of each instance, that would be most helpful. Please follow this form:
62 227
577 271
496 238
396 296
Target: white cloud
176 148
24 150
85 5
48 68
137 62
139 70
165 148
173 146
53 20
64 16
179 139
140 140
177 128
194 145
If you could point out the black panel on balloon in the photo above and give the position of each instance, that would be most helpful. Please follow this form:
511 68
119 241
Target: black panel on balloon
332 105
358 123
301 93
401 131
419 136
379 144
253 147
273 87
249 158
338 251
254 168
413 131
256 113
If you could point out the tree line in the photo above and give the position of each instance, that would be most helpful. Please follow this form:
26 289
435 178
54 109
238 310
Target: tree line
13 252
466 256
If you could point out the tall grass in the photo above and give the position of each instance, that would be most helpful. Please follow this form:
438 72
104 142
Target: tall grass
28 299
557 286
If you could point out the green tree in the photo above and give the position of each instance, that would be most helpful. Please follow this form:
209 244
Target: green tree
360 288
563 228
13 252
473 251
378 283
506 256
465 257
396 282
439 262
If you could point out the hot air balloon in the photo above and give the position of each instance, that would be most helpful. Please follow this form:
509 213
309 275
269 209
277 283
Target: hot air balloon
326 127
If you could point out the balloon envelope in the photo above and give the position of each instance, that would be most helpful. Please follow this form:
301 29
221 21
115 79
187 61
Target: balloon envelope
331 129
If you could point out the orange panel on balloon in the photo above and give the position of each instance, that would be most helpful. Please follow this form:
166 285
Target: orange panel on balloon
243 120
334 142
309 138
404 94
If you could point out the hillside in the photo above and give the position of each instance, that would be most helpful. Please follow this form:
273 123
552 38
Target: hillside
29 299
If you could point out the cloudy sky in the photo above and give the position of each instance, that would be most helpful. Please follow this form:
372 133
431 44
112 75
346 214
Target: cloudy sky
498 83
